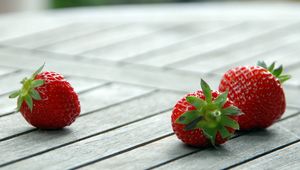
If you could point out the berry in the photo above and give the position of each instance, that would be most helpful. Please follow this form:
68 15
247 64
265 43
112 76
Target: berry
257 91
47 101
204 117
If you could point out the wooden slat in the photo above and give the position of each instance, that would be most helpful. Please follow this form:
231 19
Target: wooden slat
295 73
204 44
285 55
157 40
103 38
146 76
96 99
15 124
11 81
93 148
285 159
292 96
109 94
81 84
275 46
231 153
56 35
97 123
22 25
4 71
292 124
165 150
102 141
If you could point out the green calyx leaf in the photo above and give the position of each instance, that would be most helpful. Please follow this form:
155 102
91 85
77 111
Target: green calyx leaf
206 91
28 92
277 72
221 99
210 133
195 101
14 94
209 115
39 70
231 110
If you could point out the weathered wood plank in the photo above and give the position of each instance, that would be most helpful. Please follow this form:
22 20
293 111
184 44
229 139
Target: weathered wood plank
165 150
292 124
157 40
295 73
58 34
4 71
285 159
22 25
292 96
205 44
103 38
81 84
95 147
108 95
96 143
146 76
11 82
97 123
286 55
92 100
236 150
275 46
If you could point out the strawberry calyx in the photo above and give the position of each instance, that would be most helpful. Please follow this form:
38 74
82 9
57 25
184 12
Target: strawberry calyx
277 72
28 91
209 115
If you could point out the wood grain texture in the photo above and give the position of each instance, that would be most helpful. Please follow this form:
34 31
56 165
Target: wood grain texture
102 38
108 95
56 35
155 41
128 73
91 124
11 82
280 45
236 150
95 147
134 63
204 44
292 95
171 148
287 158
4 71
285 55
20 25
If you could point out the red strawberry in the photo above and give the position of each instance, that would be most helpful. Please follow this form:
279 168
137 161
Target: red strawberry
47 100
257 91
204 117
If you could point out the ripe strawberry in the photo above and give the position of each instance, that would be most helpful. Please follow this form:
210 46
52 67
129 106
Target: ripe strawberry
46 100
257 91
204 117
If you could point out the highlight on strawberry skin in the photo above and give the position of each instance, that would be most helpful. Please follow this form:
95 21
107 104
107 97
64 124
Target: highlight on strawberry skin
47 101
258 92
205 117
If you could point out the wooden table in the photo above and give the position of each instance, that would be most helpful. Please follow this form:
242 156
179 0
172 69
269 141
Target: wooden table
130 64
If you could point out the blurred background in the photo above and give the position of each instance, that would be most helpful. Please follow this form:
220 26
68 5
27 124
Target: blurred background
31 5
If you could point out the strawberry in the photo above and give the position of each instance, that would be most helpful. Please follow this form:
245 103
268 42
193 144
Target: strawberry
204 117
47 101
257 91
